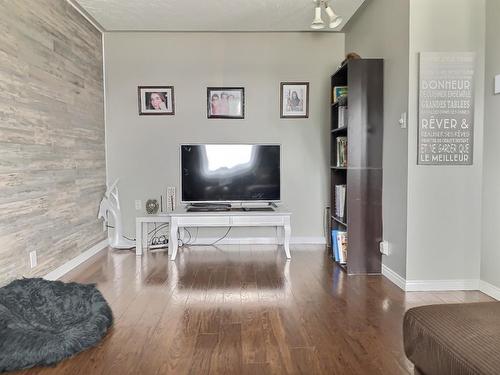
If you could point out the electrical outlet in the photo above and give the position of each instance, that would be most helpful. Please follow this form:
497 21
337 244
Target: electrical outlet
403 120
170 198
384 247
33 259
138 204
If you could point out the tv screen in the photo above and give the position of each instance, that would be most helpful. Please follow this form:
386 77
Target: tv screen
229 173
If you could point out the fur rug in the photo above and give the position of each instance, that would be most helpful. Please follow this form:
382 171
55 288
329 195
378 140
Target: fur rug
42 322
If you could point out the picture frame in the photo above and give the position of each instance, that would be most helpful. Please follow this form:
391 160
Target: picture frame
294 100
225 102
338 92
156 100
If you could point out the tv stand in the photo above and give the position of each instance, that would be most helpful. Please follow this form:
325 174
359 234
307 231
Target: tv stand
237 217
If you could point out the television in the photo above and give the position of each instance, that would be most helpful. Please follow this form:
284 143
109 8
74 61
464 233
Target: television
226 173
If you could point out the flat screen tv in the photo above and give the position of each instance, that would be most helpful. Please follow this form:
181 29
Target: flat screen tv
217 173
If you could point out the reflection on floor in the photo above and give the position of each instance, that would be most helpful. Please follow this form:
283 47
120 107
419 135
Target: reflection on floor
245 310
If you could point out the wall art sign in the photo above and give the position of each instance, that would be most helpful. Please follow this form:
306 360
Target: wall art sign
446 108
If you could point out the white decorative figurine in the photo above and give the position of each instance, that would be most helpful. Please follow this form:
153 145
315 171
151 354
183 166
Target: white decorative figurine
110 205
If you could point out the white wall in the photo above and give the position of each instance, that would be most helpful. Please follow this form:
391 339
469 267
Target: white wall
490 256
143 151
380 30
444 203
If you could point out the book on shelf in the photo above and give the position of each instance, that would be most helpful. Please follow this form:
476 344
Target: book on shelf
342 246
335 248
342 117
339 245
340 194
341 151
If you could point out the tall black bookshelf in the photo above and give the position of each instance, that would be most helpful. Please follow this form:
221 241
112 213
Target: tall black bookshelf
362 175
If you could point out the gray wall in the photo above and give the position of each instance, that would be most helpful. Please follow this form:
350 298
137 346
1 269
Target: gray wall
444 203
52 158
143 150
490 256
380 30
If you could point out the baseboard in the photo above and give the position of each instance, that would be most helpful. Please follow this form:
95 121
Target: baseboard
441 285
435 285
489 289
394 277
258 241
75 262
308 240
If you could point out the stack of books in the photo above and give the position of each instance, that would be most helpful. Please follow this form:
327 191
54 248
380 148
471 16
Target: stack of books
341 151
340 192
339 246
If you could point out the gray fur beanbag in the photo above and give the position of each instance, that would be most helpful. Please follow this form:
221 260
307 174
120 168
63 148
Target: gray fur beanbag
42 322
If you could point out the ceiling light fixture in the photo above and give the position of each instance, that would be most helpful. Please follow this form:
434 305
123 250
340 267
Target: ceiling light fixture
317 22
335 19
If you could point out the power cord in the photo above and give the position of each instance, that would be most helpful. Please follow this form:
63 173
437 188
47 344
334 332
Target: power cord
130 239
196 235
158 240
188 241
161 240
220 239
192 239
216 241
161 226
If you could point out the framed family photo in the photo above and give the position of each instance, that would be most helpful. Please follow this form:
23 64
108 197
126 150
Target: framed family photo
226 102
294 100
156 100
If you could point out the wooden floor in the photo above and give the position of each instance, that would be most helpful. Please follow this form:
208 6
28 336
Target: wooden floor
245 310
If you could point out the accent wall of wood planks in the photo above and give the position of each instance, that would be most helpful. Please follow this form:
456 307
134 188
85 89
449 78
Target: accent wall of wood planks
52 151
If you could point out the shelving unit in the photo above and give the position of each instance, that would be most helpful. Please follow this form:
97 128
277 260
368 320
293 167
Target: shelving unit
340 221
363 173
342 129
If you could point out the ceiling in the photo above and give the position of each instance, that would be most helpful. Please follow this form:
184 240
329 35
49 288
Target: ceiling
210 15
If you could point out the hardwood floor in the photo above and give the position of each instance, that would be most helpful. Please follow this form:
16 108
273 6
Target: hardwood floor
245 310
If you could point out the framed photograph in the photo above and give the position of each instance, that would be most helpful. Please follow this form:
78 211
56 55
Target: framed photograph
226 102
339 92
294 100
156 100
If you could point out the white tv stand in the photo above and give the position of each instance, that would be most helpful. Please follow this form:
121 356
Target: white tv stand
278 217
